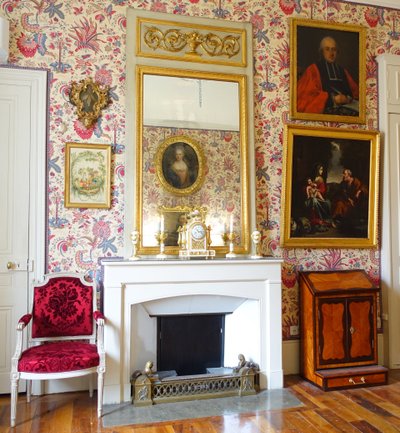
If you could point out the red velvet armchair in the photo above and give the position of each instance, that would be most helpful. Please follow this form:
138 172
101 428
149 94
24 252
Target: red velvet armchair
66 336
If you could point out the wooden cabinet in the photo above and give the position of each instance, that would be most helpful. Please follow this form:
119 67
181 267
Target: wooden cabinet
338 312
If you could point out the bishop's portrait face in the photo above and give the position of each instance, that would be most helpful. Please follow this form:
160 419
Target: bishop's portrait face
329 50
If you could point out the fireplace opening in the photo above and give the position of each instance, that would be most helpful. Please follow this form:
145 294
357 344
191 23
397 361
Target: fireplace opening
190 344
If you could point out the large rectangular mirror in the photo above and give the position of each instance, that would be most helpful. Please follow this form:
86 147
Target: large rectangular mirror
190 144
191 152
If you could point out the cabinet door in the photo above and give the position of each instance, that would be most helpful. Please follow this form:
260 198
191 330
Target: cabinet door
332 333
345 331
361 328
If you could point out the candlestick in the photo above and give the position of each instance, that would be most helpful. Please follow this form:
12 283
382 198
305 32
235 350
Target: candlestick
162 223
231 224
231 238
161 236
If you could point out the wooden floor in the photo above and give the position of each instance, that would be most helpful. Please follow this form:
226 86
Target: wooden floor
369 410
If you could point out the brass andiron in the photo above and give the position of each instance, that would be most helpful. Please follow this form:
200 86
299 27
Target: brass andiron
135 236
256 238
161 236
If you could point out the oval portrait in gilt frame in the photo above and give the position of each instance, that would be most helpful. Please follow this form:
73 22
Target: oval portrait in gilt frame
180 165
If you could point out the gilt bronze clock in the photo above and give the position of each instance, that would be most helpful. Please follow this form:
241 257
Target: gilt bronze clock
196 238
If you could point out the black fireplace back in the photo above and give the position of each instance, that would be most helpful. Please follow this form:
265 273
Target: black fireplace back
189 344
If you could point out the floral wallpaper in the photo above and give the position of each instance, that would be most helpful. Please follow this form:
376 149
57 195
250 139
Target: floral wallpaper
220 193
76 39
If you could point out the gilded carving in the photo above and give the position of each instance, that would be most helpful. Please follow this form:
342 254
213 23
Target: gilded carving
89 98
175 40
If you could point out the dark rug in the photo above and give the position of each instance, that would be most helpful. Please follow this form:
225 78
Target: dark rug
127 414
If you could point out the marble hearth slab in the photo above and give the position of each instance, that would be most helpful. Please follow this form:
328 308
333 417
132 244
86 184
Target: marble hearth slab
127 414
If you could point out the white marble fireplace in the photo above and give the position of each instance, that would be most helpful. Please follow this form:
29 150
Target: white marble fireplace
134 292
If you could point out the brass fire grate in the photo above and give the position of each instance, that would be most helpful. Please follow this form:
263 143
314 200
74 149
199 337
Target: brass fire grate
149 388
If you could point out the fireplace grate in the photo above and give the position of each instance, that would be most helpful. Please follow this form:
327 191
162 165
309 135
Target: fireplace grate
150 389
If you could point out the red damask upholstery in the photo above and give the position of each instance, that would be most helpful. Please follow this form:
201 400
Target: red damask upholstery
66 336
60 308
97 315
25 319
58 357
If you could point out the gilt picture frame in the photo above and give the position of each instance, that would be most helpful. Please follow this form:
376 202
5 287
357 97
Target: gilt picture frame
330 188
87 175
327 71
180 165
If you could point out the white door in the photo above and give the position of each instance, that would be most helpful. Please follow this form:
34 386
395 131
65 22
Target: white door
389 125
22 115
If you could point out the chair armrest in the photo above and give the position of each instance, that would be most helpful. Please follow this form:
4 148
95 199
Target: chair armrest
98 316
23 321
100 319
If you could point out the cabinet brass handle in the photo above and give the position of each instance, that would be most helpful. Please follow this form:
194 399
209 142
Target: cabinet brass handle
353 382
10 265
352 330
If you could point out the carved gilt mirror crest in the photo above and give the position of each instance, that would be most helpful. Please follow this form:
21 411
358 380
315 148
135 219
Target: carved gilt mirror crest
90 98
190 138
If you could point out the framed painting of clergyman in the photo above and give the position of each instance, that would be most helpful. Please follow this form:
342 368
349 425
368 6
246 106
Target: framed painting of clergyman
327 71
87 175
330 188
180 165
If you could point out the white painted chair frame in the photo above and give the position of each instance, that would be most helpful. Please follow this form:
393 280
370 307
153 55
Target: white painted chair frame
97 338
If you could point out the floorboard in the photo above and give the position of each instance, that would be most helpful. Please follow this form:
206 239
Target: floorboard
365 410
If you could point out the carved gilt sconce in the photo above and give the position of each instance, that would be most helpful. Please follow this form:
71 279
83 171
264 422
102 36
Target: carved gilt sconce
89 98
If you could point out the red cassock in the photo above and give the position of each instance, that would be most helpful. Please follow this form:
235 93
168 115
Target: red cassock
311 98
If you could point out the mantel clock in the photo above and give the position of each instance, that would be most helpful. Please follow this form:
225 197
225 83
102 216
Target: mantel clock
195 238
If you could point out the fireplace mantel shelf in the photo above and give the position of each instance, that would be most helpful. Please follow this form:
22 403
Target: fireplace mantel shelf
129 284
151 260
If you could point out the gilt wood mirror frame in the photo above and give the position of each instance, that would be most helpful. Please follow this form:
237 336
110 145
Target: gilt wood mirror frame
190 129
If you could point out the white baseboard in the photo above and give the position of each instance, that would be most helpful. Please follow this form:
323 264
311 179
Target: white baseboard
291 357
290 361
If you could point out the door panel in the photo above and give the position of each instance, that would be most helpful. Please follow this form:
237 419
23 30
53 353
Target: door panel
361 325
332 332
14 216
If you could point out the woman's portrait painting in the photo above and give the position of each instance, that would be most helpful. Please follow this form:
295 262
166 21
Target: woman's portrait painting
180 165
326 77
331 187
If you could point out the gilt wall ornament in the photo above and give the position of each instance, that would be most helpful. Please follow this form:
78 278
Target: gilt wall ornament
175 40
89 98
199 42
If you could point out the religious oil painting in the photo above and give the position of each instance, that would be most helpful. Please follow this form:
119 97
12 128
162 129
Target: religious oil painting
87 175
180 165
330 187
327 72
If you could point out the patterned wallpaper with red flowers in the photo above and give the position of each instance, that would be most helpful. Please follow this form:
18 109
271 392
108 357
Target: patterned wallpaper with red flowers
75 39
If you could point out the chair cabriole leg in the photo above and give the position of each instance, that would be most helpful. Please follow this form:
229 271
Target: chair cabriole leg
14 397
91 385
28 390
100 386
